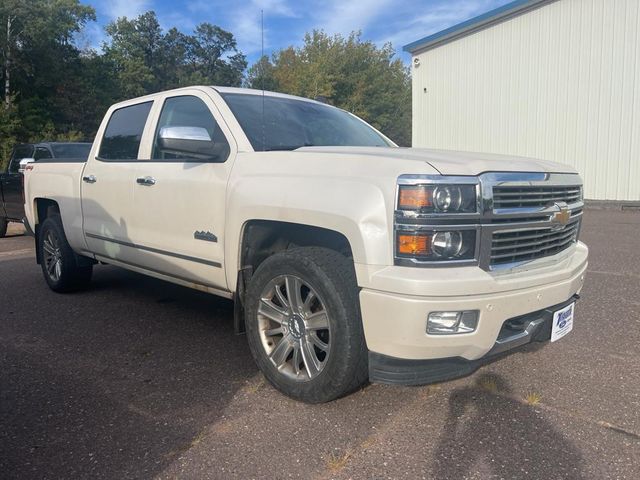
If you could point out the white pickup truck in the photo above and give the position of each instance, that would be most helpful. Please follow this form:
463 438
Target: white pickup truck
349 258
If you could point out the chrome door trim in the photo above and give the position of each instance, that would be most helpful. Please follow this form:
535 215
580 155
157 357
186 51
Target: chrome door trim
155 250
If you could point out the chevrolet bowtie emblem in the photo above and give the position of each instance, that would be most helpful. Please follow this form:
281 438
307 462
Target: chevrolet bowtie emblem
561 216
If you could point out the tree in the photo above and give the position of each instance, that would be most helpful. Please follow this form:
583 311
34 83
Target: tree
353 74
148 60
261 76
36 43
135 51
216 57
9 125
33 33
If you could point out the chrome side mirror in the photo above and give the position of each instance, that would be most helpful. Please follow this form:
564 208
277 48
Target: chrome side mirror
23 164
184 133
188 142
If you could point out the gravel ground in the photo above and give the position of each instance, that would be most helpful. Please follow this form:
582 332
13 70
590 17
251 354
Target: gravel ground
136 378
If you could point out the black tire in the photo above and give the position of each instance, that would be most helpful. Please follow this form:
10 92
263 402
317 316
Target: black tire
69 277
332 277
3 226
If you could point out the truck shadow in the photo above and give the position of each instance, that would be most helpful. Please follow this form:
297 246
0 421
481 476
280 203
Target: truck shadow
115 382
489 433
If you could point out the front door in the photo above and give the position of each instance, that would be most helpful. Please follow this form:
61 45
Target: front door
180 195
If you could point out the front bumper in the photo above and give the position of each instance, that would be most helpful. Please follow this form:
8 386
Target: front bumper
395 302
515 333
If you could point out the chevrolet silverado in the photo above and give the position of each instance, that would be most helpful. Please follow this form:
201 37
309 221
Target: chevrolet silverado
349 259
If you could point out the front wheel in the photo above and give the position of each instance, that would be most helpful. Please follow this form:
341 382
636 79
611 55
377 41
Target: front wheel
303 324
3 226
58 262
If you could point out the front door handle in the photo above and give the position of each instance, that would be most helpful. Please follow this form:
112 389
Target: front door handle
146 181
89 179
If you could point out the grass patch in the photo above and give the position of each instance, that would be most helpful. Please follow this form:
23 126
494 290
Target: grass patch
254 386
489 384
337 461
533 398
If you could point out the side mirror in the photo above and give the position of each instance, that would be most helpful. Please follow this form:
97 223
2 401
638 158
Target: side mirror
23 164
187 141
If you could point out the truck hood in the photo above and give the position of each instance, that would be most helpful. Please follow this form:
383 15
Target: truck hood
451 162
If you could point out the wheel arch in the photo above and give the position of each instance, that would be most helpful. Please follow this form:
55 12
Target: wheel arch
262 238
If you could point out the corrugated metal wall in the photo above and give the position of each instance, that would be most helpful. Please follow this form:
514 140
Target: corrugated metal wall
561 82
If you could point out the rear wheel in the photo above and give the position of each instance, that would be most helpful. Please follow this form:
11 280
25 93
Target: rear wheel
303 324
58 262
3 226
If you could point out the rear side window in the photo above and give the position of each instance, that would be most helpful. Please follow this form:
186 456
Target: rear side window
121 139
23 151
41 152
71 150
20 152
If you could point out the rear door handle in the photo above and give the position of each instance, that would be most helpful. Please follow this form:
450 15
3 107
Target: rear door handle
89 179
146 181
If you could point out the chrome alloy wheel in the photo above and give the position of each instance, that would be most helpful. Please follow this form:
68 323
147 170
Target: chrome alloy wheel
52 255
294 327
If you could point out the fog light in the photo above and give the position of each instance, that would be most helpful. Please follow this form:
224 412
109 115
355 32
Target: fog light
451 323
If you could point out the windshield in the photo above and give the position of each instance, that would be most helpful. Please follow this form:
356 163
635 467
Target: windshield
71 150
289 124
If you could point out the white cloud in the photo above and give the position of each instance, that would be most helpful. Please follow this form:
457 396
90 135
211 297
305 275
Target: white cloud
246 23
344 17
90 37
434 19
124 8
278 8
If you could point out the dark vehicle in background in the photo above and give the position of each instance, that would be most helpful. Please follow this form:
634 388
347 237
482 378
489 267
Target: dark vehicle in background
11 197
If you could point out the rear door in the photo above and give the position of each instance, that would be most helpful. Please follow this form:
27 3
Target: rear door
12 182
108 181
179 197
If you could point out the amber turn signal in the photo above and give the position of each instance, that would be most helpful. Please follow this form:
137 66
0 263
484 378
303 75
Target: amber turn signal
415 197
417 245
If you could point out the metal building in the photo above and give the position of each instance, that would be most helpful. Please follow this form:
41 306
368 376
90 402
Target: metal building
553 79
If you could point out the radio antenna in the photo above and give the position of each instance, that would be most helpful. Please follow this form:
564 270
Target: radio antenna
264 139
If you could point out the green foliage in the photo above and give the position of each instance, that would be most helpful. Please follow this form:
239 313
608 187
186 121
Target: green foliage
353 74
58 92
9 124
148 60
41 63
261 75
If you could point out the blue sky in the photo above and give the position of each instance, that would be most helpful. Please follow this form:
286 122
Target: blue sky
396 21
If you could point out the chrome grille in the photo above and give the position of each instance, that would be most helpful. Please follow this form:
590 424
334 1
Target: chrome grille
519 219
530 244
534 196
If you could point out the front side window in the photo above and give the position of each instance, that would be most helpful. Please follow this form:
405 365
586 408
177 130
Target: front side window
187 131
121 139
278 123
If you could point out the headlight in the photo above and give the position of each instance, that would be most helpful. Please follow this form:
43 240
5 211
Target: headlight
434 246
438 198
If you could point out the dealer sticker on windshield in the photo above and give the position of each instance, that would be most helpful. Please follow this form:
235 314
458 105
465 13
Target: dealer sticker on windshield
562 322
